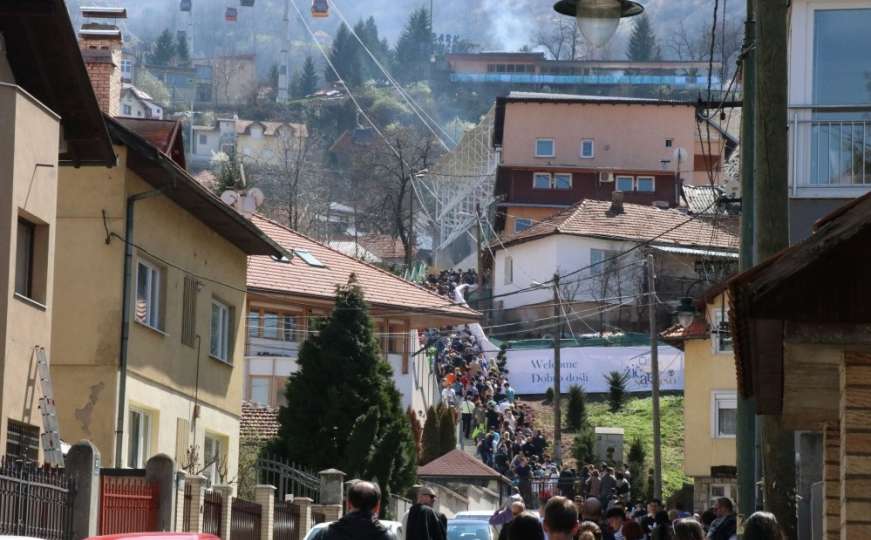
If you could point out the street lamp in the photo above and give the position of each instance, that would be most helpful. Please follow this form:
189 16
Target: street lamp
598 19
686 312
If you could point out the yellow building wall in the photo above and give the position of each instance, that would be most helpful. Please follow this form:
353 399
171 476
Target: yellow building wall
29 140
162 372
705 372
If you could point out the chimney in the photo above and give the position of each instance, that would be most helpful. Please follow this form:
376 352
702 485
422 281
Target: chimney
616 203
101 50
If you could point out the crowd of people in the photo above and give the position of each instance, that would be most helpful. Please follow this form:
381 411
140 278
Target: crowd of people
444 282
587 519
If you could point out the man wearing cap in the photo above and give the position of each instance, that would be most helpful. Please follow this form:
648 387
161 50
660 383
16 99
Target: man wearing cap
423 522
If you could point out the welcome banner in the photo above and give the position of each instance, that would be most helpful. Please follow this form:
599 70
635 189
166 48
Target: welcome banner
531 370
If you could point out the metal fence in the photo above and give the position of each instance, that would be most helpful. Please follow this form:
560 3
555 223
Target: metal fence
128 503
35 501
288 479
286 521
245 520
212 512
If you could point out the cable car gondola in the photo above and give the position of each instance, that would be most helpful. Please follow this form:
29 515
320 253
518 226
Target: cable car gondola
231 14
246 3
185 5
320 8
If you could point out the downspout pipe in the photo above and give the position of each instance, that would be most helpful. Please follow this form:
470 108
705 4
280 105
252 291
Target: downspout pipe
125 319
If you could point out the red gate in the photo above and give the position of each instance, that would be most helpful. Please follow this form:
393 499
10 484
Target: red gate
127 504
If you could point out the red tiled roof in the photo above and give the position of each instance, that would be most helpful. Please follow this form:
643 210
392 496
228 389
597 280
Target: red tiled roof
384 246
258 423
636 223
457 464
160 133
381 288
697 330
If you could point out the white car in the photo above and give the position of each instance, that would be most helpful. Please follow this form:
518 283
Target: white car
394 527
475 515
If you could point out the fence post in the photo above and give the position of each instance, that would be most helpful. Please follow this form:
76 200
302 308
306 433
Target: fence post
83 466
195 510
160 470
264 495
332 486
304 505
180 485
226 509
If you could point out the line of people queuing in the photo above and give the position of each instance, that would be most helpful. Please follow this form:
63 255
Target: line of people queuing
444 282
564 519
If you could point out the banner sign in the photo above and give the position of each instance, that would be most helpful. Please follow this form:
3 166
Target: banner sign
531 370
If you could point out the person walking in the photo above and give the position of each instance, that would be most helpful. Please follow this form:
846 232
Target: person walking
467 410
424 522
688 529
762 526
361 521
608 487
525 526
726 525
561 519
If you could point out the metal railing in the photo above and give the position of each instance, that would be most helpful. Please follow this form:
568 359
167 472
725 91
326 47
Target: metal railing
286 521
245 520
212 513
288 478
34 501
830 149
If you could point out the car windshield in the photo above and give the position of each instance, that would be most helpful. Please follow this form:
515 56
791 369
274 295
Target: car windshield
468 531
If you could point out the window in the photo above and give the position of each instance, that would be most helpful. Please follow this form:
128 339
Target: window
253 323
646 184
204 139
541 181
624 183
259 390
127 109
270 325
213 458
219 345
138 438
587 148
669 143
724 409
509 271
545 148
521 224
309 259
721 333
148 284
22 441
397 339
189 311
840 58
24 258
562 181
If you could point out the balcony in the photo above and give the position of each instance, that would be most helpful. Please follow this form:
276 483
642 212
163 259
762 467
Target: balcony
830 151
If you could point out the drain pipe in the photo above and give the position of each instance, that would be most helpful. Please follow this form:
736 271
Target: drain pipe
125 320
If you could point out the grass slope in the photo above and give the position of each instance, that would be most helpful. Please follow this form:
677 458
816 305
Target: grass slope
636 418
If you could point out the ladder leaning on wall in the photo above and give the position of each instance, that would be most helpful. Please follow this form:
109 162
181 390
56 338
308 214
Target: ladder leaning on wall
50 437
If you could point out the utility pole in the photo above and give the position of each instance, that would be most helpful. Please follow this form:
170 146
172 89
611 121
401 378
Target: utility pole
746 431
479 245
557 412
771 223
412 242
654 374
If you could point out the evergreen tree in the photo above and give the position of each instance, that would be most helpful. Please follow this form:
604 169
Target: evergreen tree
431 444
642 43
164 50
616 390
345 55
359 451
576 415
228 172
635 461
447 430
308 78
182 53
341 372
273 78
416 430
584 446
414 47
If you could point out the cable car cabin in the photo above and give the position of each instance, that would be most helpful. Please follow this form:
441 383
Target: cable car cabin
246 3
320 8
185 5
231 14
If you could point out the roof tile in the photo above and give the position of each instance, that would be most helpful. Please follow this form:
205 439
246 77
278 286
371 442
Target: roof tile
457 463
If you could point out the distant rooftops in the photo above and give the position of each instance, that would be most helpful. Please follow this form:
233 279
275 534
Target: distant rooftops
539 57
518 97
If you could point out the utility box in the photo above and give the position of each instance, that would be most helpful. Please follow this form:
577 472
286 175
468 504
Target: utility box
609 445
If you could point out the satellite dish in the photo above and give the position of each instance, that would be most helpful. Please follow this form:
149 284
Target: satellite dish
230 197
257 196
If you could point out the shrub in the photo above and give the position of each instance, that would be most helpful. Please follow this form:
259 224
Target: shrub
576 416
584 446
548 396
635 465
616 390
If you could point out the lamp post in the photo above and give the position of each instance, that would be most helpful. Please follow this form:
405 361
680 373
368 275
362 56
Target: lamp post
598 19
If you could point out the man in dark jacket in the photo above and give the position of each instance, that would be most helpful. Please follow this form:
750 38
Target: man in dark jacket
423 522
361 521
724 527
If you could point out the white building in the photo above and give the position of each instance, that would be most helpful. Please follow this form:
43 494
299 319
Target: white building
136 103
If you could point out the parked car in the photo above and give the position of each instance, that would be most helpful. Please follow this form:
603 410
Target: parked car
470 529
393 526
156 536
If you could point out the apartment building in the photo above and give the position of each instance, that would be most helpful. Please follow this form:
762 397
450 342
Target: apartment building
257 143
43 133
556 150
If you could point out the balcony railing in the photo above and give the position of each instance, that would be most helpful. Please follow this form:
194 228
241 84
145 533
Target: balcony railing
830 151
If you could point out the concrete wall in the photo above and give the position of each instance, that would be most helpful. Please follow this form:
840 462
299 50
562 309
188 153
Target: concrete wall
29 141
162 371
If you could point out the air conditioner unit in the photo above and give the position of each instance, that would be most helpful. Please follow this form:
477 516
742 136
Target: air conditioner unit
606 177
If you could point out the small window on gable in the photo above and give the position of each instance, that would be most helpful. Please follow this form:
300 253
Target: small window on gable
521 224
587 149
309 258
669 143
545 148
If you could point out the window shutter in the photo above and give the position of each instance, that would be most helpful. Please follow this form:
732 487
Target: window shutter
189 311
182 442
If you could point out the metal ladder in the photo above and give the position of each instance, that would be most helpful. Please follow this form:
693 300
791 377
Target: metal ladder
50 436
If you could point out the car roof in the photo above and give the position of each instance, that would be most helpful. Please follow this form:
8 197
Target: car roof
156 536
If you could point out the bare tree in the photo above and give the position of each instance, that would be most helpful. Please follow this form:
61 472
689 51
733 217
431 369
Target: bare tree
561 38
694 43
